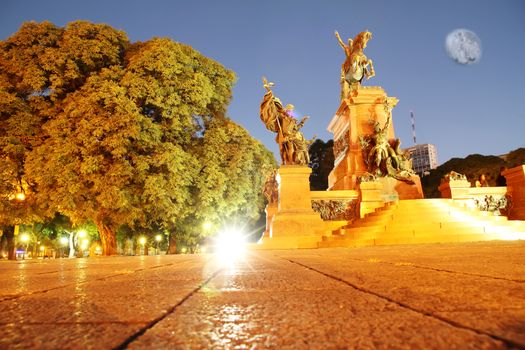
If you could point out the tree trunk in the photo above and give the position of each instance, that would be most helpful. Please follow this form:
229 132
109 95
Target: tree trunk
71 246
108 239
9 233
172 245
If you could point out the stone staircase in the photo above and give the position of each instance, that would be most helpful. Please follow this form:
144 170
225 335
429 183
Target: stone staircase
424 221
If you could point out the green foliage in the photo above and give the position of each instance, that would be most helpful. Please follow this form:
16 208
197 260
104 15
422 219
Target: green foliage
472 166
322 163
100 129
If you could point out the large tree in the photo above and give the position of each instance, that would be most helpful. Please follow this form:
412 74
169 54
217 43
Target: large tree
120 128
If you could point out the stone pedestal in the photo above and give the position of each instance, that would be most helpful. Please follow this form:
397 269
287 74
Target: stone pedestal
455 189
295 224
370 197
352 120
394 190
270 211
516 188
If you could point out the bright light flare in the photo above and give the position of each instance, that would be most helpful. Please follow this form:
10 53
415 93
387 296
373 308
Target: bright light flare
230 245
64 240
142 240
20 196
158 238
24 238
82 233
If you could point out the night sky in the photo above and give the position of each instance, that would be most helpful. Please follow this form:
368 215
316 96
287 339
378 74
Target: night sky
461 109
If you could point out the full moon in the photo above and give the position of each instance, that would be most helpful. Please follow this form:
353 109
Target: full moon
463 46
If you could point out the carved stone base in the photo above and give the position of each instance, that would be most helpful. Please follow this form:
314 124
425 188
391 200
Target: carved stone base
394 190
351 121
295 224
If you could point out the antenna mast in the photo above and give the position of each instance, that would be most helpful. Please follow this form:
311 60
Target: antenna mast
413 119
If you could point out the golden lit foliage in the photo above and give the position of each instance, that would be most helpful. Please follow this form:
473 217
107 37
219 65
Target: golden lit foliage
121 133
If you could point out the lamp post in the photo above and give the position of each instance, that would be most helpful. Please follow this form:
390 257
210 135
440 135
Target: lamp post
25 239
158 239
142 241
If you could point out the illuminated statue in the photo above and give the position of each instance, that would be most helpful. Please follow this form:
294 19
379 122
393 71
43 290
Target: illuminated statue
356 64
384 157
271 188
292 144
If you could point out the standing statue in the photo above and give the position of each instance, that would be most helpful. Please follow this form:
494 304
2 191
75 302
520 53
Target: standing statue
355 66
292 144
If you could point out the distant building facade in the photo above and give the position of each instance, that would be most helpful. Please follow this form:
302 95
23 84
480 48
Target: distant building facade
424 157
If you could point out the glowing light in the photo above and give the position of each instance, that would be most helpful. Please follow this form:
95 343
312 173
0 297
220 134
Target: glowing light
230 245
512 236
64 240
203 249
20 196
98 249
42 248
24 238
158 238
84 244
82 233
207 226
142 240
184 250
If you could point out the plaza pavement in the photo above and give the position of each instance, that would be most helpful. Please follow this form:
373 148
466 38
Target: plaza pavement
441 296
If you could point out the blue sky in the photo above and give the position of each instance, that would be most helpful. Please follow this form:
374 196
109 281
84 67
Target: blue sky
461 109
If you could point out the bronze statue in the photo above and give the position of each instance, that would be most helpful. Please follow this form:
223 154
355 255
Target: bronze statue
355 66
271 188
292 144
384 157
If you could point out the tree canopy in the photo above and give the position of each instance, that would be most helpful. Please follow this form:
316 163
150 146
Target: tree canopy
121 133
472 166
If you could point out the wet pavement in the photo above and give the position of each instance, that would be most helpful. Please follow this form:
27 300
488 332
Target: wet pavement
442 296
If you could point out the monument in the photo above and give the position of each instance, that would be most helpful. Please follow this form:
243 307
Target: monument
372 178
294 224
365 147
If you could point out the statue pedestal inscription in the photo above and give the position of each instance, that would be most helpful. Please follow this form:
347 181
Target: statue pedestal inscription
295 224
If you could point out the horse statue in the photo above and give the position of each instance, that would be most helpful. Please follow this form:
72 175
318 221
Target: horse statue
356 65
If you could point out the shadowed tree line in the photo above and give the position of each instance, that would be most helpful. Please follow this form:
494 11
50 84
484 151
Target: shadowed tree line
125 136
472 166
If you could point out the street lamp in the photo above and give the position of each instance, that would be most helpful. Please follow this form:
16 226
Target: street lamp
142 242
158 239
81 233
25 239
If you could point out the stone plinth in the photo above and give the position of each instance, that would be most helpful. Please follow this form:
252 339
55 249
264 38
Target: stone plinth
516 188
270 211
295 224
370 197
352 120
394 190
455 189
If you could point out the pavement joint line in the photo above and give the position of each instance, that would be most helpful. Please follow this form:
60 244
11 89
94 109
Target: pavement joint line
443 270
10 298
170 311
509 343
